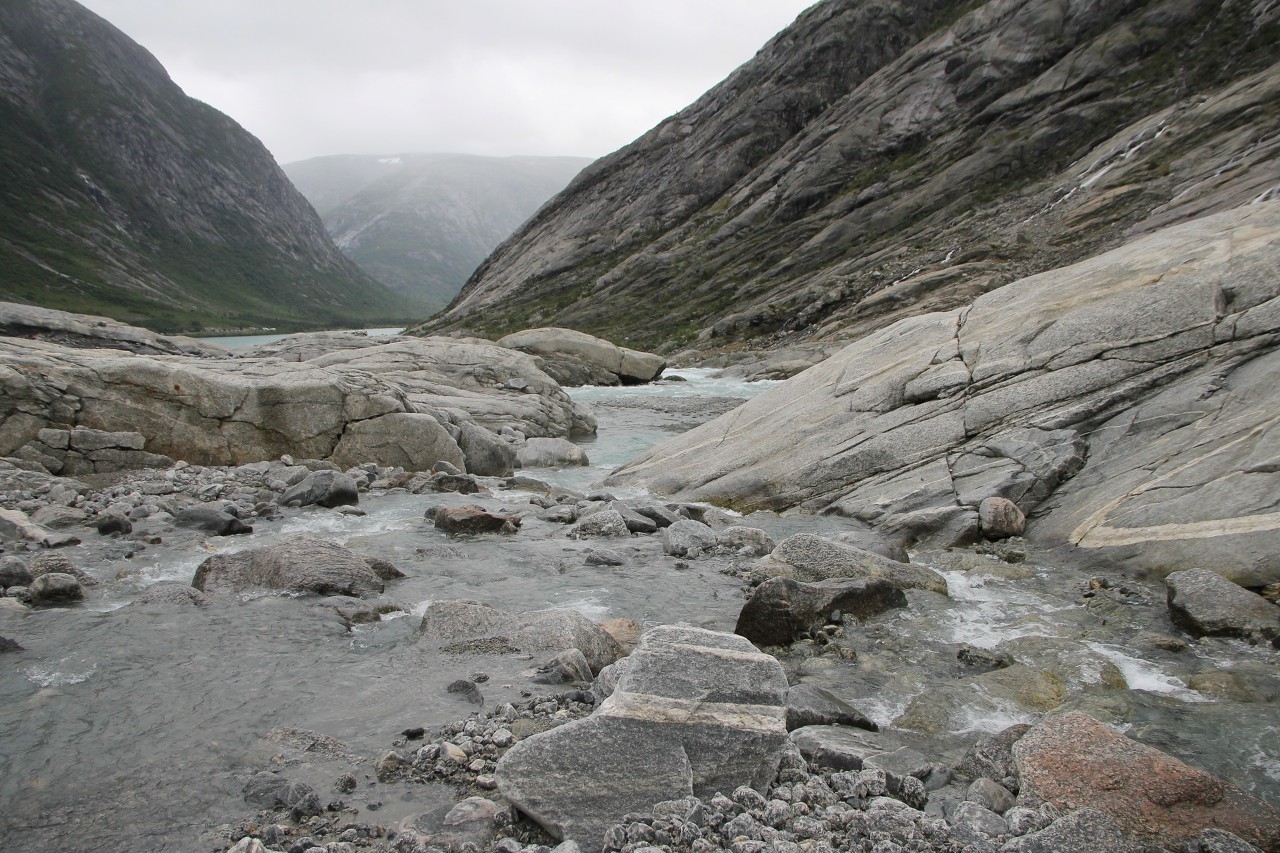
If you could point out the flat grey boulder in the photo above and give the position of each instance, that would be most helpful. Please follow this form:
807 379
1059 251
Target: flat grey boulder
626 366
687 538
781 610
467 627
840 747
17 525
301 564
1207 604
815 706
323 488
211 519
695 712
550 453
806 557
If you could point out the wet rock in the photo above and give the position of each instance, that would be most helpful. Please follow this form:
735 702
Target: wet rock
1207 604
695 712
814 706
13 572
559 514
744 541
55 588
472 520
1083 831
568 667
113 524
660 515
781 610
300 564
603 557
323 488
17 526
636 522
267 790
990 795
1000 518
469 627
461 484
991 757
1074 761
211 520
687 538
808 558
550 453
384 569
7 645
170 594
836 747
950 707
604 524
48 562
466 689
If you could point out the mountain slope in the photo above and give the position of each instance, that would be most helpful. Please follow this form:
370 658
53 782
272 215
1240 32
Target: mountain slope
883 158
119 195
422 223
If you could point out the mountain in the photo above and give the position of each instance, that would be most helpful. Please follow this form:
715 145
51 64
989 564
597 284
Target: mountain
121 196
879 159
422 223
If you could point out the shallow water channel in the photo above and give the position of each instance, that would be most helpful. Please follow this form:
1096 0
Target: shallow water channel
126 727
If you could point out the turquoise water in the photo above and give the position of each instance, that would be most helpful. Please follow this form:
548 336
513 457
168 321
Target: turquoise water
242 341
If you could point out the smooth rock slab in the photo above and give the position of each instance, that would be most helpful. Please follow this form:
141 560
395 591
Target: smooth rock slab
1207 604
300 564
696 712
1073 761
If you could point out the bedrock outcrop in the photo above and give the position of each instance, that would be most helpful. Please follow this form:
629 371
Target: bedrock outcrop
1126 403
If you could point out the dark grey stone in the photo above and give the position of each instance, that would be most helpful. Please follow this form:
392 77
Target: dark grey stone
1207 604
323 488
300 564
815 706
781 610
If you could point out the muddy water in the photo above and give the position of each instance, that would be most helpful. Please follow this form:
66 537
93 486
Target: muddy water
123 727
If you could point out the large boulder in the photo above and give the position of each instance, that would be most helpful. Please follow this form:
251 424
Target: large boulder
1128 400
301 564
1073 761
464 627
695 712
323 488
1207 604
599 359
17 525
806 557
55 588
781 610
550 453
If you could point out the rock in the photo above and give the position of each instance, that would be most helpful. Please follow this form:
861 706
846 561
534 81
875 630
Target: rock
1083 831
687 538
816 706
49 562
990 795
466 689
603 557
469 825
1221 841
695 712
1000 518
266 790
628 367
625 631
485 454
568 667
1074 761
659 515
1207 604
979 820
300 564
170 594
383 569
806 557
550 453
109 524
211 520
13 572
744 541
471 520
951 707
635 522
323 488
414 441
13 605
607 523
991 757
15 525
7 645
469 627
781 610
59 517
55 588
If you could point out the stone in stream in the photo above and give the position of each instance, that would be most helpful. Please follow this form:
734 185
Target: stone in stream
550 453
605 524
1000 518
211 520
466 689
266 790
781 610
170 594
696 712
470 520
7 645
300 564
568 667
806 557
469 627
13 572
16 525
112 523
1073 761
603 557
687 538
744 541
814 706
323 488
1207 604
48 562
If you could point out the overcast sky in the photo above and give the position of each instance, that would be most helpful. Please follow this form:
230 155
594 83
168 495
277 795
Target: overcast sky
579 77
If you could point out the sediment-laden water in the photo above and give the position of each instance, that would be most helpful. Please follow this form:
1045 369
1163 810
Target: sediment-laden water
127 727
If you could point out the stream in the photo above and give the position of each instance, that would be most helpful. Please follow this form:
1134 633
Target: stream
135 728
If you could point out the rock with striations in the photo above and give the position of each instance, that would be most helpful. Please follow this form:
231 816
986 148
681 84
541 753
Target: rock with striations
1073 761
806 557
782 610
323 488
1207 604
300 564
574 356
695 712
1136 360
467 627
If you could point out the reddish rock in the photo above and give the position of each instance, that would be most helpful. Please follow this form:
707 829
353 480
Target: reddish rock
474 519
1074 761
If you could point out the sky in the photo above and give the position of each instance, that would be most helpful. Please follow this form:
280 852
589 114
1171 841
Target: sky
492 77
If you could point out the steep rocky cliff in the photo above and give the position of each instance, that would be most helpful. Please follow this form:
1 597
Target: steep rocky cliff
119 195
422 223
878 159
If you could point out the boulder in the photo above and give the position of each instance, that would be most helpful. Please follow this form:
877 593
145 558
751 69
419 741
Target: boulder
463 627
838 747
16 525
471 520
635 522
806 557
266 790
171 594
485 454
781 610
55 588
607 523
414 441
953 707
211 519
695 712
1000 518
323 488
1073 761
991 757
48 562
568 667
815 706
300 564
1082 831
744 541
687 538
628 367
13 572
1207 604
550 453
